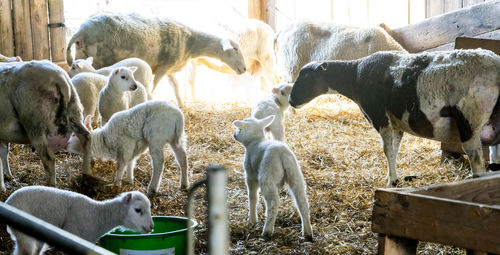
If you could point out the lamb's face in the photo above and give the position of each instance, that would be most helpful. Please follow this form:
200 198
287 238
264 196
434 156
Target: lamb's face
123 78
251 128
309 84
139 213
283 93
81 66
232 56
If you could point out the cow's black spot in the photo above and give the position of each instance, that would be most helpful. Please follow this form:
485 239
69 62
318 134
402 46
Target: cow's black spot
463 125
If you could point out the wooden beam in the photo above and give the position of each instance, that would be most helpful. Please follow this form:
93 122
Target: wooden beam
39 29
6 30
426 218
57 31
450 46
264 10
443 29
399 246
22 29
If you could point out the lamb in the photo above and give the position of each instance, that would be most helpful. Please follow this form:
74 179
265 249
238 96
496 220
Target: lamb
120 93
268 165
10 59
256 40
78 214
88 86
276 105
302 42
415 93
39 106
129 133
143 74
164 44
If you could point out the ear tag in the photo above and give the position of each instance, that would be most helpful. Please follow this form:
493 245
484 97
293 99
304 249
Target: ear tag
323 67
244 126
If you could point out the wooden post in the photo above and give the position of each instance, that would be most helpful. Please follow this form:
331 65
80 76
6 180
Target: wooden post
399 246
263 10
6 31
57 32
22 29
39 29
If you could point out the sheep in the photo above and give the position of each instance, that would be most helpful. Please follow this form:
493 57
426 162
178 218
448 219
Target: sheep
129 133
276 105
10 59
120 93
88 86
39 106
415 93
256 40
303 41
268 165
78 214
143 74
166 45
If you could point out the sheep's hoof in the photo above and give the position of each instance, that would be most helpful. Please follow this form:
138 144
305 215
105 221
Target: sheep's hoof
393 183
494 167
410 178
309 238
151 193
267 235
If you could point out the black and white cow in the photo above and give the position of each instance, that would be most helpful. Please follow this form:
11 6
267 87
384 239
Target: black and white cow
416 93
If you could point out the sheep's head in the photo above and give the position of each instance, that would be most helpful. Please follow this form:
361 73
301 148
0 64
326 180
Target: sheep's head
123 78
282 93
309 84
251 128
232 56
74 144
81 66
138 215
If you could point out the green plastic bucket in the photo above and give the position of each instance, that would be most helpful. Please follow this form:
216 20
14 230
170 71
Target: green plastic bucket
169 237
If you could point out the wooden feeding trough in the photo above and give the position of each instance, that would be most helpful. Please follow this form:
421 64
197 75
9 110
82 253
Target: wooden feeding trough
464 214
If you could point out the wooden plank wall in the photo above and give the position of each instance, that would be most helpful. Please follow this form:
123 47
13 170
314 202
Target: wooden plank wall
24 29
438 7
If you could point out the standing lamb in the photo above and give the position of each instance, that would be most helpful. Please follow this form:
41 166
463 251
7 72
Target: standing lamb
121 92
415 93
302 42
276 105
143 74
129 133
164 44
39 106
268 165
78 214
88 86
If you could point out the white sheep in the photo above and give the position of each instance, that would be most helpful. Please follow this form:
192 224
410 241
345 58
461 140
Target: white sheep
120 93
78 214
129 133
268 165
166 45
88 86
143 74
416 93
303 41
276 105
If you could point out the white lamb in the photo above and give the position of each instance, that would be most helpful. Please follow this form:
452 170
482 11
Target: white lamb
268 165
144 74
276 105
129 133
88 86
78 214
122 92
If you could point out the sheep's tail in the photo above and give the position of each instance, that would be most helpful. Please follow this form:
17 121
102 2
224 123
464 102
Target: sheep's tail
73 39
179 138
293 174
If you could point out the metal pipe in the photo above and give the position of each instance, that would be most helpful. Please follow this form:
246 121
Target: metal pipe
218 227
47 232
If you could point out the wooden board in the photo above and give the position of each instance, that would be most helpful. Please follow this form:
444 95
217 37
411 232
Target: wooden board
407 214
263 10
39 29
443 29
57 31
6 30
450 46
22 29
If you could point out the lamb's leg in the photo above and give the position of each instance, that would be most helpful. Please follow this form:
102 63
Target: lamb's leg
495 154
387 134
298 192
175 84
25 245
158 159
271 197
191 78
253 199
122 164
4 156
182 161
473 148
130 171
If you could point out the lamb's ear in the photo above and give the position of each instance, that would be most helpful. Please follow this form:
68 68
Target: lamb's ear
322 66
132 68
79 66
19 59
116 71
90 60
226 44
267 120
238 123
88 122
126 199
276 90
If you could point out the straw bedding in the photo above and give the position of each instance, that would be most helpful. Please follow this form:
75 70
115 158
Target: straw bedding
340 155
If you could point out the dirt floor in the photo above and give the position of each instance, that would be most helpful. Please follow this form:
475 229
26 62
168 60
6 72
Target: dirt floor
340 155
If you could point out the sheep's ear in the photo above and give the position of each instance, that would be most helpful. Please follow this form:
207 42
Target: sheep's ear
275 90
132 68
116 71
267 120
226 44
323 66
238 123
90 60
126 199
78 65
88 122
19 59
